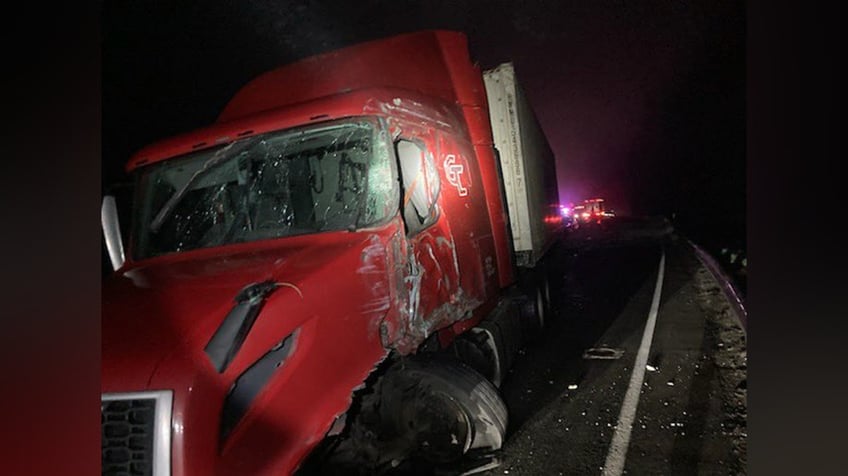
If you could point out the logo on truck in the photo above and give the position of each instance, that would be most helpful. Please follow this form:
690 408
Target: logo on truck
454 172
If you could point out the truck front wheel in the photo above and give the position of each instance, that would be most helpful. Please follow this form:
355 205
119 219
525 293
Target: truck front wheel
425 411
445 408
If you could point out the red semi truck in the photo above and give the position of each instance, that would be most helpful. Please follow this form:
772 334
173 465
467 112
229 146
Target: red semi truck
353 252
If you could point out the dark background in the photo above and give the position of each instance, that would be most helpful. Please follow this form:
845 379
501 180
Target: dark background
642 102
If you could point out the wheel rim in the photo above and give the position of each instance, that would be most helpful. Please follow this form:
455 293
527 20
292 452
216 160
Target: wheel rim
442 429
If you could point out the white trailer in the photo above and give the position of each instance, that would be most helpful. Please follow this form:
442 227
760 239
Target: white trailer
527 165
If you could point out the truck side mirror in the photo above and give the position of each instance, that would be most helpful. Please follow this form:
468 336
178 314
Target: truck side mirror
420 186
112 231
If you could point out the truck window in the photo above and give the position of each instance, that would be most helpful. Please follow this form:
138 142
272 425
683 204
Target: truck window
335 176
420 182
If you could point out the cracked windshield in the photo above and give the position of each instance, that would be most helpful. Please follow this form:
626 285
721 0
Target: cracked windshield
336 176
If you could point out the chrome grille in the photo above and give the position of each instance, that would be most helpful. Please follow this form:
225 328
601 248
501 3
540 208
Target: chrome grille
136 433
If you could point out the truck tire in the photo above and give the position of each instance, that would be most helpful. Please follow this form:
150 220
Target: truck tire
445 408
547 291
541 304
534 309
479 349
425 411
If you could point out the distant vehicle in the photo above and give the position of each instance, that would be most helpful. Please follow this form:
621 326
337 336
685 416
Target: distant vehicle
591 211
566 216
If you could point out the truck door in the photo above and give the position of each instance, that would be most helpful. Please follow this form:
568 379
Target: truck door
433 275
463 201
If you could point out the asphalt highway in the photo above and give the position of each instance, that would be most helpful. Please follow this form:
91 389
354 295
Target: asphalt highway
582 400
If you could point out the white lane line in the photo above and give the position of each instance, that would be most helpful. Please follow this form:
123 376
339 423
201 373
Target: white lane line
614 464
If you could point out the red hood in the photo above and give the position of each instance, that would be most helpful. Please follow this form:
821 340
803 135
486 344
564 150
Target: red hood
174 302
335 293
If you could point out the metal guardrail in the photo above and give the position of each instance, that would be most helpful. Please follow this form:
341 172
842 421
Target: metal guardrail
727 286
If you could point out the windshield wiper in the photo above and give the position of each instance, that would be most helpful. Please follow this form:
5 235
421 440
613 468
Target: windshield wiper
227 152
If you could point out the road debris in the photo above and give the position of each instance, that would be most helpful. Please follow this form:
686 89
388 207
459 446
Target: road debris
603 353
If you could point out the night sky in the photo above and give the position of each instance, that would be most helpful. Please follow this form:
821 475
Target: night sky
642 102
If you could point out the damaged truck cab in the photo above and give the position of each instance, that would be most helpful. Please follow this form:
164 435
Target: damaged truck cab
345 216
